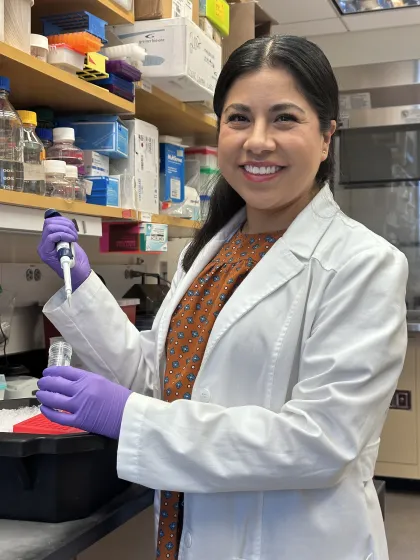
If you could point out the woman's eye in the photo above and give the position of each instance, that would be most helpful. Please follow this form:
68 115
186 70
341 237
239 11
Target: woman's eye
286 118
237 118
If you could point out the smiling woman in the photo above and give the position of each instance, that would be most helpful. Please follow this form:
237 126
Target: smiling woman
277 106
256 402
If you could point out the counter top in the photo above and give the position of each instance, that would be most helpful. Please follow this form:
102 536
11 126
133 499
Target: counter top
25 540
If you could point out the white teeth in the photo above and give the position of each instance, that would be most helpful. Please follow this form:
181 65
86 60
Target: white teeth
262 170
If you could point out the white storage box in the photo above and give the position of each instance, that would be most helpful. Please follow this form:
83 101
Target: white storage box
142 163
180 60
66 58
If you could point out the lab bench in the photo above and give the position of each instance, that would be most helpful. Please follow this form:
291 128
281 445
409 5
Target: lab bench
24 540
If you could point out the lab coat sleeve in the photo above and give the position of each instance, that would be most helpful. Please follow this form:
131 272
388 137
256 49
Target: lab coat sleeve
349 369
103 337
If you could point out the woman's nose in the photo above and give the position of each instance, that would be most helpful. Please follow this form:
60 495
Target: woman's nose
260 139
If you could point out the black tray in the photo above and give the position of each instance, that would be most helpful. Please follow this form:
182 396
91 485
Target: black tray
55 478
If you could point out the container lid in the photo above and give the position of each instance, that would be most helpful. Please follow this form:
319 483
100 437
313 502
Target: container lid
28 117
5 83
44 133
63 134
71 171
55 166
201 150
39 41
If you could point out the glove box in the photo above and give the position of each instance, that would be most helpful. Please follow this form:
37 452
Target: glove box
55 478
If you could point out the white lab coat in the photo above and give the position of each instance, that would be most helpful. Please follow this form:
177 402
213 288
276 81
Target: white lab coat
276 450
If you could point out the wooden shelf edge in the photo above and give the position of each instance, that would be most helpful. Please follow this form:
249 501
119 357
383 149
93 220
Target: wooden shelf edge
69 79
107 213
71 207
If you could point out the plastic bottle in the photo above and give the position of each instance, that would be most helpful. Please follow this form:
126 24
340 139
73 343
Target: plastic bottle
46 137
55 178
64 149
59 353
33 155
72 177
11 142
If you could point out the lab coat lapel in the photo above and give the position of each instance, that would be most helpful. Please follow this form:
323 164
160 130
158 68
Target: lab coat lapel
283 262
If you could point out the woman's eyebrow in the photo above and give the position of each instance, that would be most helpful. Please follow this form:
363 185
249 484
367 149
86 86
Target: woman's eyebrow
279 107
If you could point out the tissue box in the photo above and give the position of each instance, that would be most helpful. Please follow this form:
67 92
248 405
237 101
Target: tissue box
172 173
153 237
105 191
142 163
180 60
96 164
218 14
105 134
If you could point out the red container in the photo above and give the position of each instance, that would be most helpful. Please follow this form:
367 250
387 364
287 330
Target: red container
41 425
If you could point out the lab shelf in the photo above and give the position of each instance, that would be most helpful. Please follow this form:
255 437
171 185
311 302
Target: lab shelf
34 82
105 9
74 207
179 227
173 117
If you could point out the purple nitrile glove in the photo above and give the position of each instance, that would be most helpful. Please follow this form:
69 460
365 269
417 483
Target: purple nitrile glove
89 401
61 229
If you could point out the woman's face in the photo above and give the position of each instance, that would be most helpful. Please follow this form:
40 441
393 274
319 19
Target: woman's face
270 143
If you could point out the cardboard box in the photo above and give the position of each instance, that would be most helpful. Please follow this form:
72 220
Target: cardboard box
153 237
120 237
172 173
180 59
166 9
95 164
105 191
217 12
247 21
105 134
142 163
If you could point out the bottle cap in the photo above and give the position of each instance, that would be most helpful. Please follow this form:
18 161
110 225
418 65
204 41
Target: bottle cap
5 83
44 134
55 166
28 117
71 171
39 41
63 134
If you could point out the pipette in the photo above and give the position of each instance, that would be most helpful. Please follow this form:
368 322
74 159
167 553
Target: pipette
66 255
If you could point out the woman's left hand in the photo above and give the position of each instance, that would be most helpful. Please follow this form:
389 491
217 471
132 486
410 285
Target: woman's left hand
78 398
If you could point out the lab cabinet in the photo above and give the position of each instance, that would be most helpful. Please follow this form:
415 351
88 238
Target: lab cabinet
399 454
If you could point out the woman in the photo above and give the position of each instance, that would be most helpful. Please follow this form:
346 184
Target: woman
274 357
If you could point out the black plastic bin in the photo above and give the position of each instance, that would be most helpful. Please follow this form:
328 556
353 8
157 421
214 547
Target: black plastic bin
55 478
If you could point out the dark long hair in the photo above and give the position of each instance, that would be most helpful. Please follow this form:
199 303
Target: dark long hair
316 81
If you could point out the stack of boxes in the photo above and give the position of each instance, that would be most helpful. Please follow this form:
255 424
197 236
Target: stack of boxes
215 19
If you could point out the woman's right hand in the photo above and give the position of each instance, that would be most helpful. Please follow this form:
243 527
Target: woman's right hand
61 229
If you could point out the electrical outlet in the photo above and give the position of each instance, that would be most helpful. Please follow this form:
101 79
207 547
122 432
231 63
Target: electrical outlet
401 400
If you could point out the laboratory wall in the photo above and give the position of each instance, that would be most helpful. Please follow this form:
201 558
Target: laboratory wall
18 255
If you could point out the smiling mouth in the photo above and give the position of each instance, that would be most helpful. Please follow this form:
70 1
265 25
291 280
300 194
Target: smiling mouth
262 170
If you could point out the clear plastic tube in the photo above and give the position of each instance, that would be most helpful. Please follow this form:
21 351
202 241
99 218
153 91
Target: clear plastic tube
59 353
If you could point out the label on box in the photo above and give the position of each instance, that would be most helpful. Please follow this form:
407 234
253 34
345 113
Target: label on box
175 189
146 217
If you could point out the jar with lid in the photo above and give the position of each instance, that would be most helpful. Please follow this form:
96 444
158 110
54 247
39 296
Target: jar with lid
64 149
56 182
76 183
33 155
